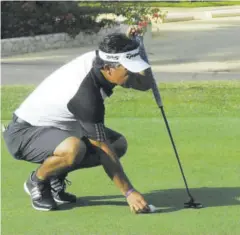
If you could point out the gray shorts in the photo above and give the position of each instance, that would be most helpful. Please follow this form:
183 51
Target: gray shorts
36 143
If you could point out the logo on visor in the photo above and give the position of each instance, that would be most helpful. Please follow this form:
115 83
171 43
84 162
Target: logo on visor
130 56
112 57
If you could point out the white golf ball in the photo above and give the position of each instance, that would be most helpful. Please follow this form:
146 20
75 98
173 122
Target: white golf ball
152 208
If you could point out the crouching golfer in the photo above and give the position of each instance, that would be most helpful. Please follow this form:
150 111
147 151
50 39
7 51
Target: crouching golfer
60 125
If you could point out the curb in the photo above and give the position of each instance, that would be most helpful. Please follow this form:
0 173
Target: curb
196 76
226 13
23 45
201 15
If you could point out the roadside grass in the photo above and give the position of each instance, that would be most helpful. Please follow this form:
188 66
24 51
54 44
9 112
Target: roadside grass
213 98
204 119
187 4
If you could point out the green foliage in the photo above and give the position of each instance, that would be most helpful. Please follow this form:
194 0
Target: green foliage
181 3
135 12
30 18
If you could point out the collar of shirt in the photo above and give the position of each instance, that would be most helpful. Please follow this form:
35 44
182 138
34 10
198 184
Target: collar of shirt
102 82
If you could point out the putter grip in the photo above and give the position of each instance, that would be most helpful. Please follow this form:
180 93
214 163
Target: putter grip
154 87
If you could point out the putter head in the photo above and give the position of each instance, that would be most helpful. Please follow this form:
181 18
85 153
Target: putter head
193 204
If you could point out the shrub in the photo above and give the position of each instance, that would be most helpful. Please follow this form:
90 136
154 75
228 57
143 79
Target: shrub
29 18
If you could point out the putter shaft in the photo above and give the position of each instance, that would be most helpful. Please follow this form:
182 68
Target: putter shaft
176 153
191 203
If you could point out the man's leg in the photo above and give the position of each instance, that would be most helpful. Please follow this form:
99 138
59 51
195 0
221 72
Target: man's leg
93 155
92 158
68 153
54 149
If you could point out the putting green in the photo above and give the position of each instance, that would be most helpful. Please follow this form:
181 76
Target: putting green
204 120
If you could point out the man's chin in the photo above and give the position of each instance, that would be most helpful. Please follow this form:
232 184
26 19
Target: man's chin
122 81
126 78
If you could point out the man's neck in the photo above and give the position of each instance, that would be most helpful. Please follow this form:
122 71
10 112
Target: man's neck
106 76
103 81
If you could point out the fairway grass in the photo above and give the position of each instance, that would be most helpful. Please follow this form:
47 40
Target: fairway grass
204 120
187 4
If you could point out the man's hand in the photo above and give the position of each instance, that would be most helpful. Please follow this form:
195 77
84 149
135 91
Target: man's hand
132 31
137 203
113 168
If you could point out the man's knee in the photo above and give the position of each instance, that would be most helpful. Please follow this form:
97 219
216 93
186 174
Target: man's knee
72 150
120 146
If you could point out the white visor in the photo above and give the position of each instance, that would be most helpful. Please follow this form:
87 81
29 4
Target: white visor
131 60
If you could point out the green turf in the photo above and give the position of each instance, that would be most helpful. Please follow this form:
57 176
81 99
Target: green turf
186 3
204 119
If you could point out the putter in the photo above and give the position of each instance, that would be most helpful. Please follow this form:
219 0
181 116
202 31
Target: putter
191 203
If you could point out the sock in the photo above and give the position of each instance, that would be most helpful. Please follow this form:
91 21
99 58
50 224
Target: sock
36 179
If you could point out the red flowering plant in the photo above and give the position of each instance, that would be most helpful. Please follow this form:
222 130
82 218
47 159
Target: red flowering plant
136 14
140 17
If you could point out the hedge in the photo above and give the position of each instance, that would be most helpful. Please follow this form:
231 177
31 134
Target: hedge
30 18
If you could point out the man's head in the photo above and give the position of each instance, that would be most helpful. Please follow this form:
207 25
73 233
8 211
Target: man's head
117 55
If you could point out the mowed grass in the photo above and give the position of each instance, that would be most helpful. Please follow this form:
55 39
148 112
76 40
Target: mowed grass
205 121
184 3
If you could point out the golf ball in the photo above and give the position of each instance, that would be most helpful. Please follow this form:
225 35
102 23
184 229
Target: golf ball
152 208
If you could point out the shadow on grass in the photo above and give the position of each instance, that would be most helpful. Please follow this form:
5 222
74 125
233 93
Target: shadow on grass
168 200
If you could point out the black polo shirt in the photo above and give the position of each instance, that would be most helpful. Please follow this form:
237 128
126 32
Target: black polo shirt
72 98
88 103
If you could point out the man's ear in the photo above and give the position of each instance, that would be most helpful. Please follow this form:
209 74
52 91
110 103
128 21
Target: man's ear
108 69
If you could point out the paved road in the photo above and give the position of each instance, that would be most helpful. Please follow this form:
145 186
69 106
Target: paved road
195 50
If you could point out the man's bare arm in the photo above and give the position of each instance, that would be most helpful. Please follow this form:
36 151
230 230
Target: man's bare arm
115 171
113 167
